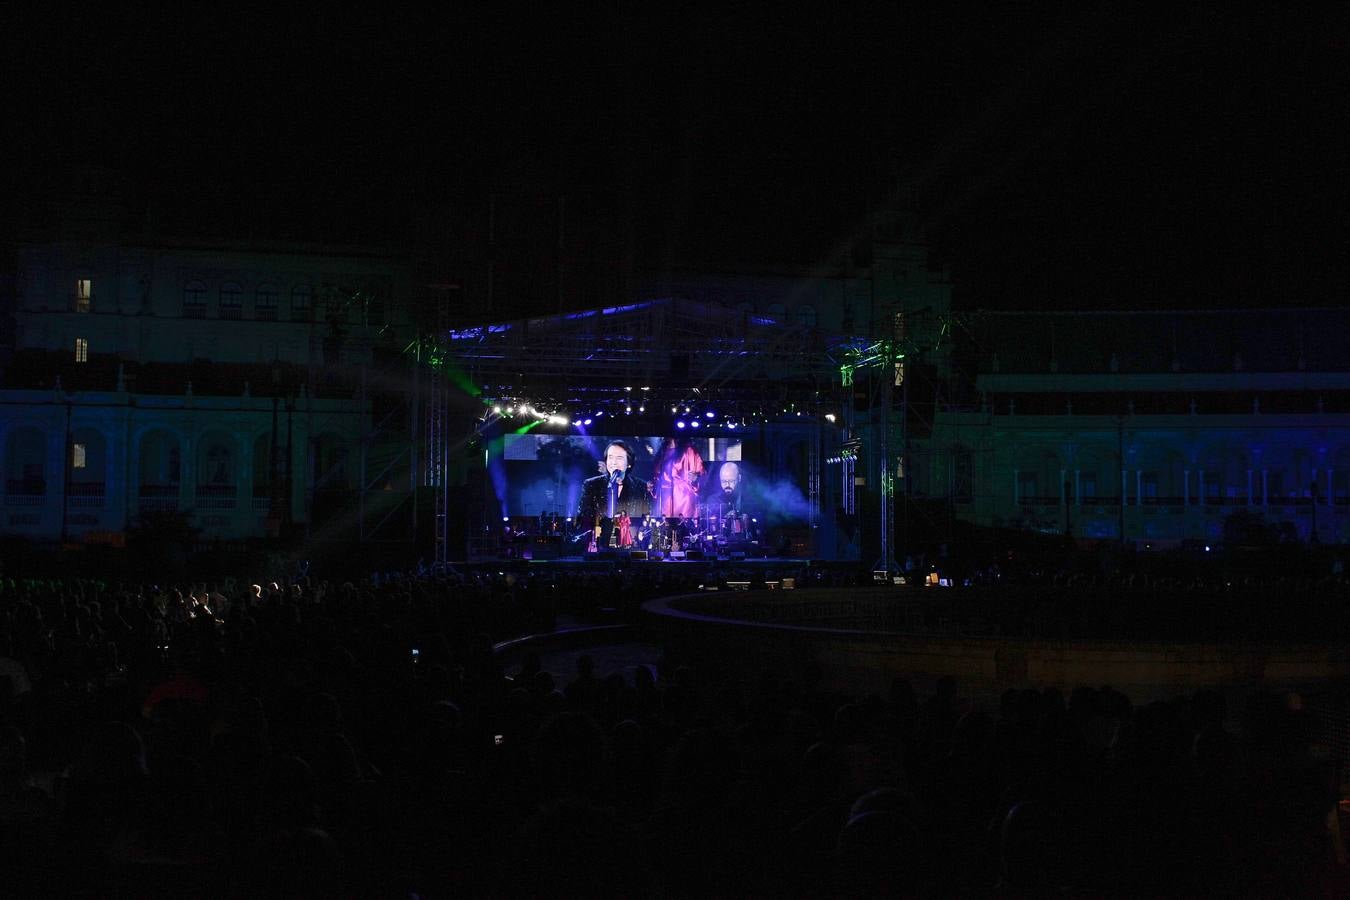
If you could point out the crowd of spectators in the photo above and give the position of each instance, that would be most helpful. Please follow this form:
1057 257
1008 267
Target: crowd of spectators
364 740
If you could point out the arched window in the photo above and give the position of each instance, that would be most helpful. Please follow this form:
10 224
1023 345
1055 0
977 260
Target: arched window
806 316
194 300
302 302
219 465
25 464
231 301
161 464
265 303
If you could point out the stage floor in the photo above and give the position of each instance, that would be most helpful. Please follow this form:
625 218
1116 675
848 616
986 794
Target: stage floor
623 561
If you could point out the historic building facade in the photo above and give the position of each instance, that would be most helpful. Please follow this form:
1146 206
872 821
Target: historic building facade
1148 427
221 379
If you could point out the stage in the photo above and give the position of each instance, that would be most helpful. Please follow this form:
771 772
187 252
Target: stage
660 425
598 562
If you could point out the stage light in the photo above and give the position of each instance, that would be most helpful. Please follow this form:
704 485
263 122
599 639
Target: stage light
710 414
642 409
586 422
829 417
497 410
506 518
673 410
731 425
628 389
597 415
628 410
679 424
694 424
686 409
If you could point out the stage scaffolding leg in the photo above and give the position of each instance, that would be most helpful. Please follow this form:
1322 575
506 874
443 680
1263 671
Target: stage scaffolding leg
813 483
885 474
436 475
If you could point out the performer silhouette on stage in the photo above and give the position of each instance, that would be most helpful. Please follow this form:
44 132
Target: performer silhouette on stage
606 497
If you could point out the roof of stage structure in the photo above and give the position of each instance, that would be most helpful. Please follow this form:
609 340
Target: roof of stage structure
656 341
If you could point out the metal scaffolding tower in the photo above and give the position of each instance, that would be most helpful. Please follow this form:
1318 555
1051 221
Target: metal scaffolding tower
435 404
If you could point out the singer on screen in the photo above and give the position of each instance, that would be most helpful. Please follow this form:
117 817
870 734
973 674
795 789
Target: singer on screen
616 491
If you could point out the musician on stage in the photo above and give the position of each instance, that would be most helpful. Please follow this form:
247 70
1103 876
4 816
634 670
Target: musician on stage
615 492
678 472
726 504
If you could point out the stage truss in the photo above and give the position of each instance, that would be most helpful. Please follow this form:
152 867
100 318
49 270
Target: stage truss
657 354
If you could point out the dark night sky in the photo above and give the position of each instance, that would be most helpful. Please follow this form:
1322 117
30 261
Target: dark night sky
1060 154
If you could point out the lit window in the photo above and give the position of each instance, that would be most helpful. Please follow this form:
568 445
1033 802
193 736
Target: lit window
78 457
84 292
81 350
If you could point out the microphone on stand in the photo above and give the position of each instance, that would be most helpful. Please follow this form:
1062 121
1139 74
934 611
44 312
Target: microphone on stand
615 479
